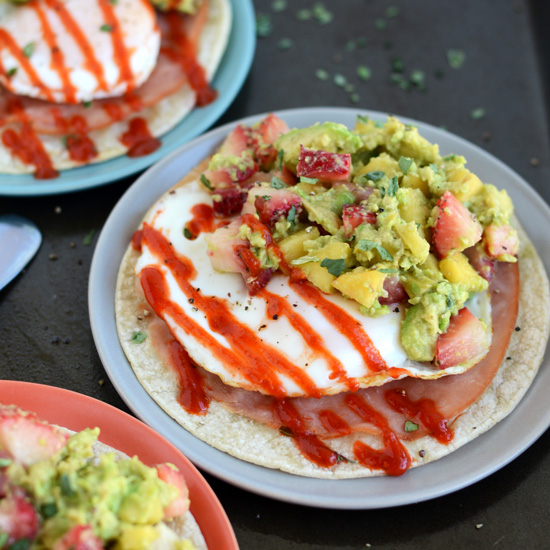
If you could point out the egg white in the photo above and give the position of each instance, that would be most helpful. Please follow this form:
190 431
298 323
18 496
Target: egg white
171 214
141 37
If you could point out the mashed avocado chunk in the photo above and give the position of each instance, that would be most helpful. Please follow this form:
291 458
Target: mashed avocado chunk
185 6
122 499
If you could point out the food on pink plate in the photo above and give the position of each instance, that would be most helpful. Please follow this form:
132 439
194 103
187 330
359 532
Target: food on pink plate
63 490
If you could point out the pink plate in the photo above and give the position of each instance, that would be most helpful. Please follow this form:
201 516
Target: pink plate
118 429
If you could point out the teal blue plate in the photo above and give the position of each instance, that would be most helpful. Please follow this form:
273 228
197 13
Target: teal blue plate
228 80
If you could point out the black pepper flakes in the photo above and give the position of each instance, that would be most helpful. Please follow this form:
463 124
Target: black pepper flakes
275 317
422 453
517 329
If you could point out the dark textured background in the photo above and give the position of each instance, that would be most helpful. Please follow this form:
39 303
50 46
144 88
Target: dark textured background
44 326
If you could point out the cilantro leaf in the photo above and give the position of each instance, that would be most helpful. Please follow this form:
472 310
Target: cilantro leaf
334 267
206 182
393 186
366 244
405 164
277 183
375 175
138 337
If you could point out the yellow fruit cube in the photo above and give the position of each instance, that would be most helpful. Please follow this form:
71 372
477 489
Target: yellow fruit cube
292 246
464 184
414 181
319 275
418 245
382 163
362 285
457 270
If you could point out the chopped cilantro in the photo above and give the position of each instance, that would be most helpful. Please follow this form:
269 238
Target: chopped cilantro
11 72
277 183
28 49
291 217
65 485
392 11
206 182
263 25
304 260
393 186
87 104
106 28
280 157
5 462
478 113
3 539
366 244
187 234
48 510
303 15
375 175
322 14
305 179
321 74
363 119
388 270
397 65
354 97
364 72
455 58
410 426
334 267
285 44
405 164
340 80
89 238
138 337
279 5
380 24
418 78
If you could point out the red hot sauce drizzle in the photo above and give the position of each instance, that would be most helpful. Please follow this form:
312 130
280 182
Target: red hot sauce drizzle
138 139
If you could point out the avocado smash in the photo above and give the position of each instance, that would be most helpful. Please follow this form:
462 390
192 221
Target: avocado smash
376 214
78 496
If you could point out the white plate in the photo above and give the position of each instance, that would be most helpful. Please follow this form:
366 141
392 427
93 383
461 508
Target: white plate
461 468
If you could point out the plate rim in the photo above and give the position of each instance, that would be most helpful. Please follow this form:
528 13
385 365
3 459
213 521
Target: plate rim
230 76
310 491
87 411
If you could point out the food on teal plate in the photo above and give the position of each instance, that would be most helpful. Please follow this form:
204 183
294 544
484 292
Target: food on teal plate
65 490
84 81
333 302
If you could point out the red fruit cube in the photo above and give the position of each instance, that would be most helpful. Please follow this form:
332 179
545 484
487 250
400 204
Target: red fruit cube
170 474
264 135
274 204
465 341
455 228
395 289
501 240
228 202
323 165
18 518
236 142
480 261
354 215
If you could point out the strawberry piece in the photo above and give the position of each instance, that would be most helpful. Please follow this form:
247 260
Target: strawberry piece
455 228
480 261
229 201
323 165
354 215
501 240
27 439
18 518
395 289
170 474
464 341
229 175
274 204
236 142
79 537
263 137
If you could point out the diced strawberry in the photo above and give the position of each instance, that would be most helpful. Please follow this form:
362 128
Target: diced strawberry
26 438
274 204
228 201
263 137
79 537
236 142
170 474
323 165
221 248
18 518
501 240
480 261
395 289
229 175
464 341
455 228
354 215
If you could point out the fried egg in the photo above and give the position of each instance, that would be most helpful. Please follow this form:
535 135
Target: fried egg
72 51
274 339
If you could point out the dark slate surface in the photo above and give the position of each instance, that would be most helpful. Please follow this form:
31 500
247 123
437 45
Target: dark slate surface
44 327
